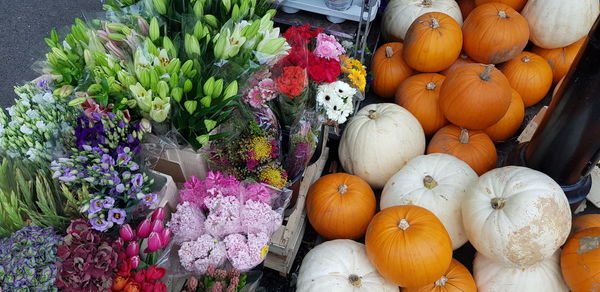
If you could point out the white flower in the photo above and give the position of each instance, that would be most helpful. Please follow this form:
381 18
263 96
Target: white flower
26 130
40 125
11 111
32 114
344 89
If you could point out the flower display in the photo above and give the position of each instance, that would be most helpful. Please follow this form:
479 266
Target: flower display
336 99
201 253
28 260
83 244
217 280
187 223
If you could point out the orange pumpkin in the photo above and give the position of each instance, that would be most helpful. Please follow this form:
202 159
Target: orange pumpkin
419 94
561 59
475 96
579 260
494 33
389 69
515 4
461 60
456 279
584 222
432 42
510 122
466 6
530 75
473 147
340 206
408 245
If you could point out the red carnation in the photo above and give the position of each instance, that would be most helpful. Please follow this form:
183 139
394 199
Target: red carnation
292 82
301 35
323 70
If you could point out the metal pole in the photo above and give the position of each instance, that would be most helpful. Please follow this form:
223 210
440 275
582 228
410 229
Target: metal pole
566 145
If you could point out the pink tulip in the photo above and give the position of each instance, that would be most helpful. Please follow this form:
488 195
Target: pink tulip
165 236
144 229
157 226
134 262
158 214
126 232
133 249
154 242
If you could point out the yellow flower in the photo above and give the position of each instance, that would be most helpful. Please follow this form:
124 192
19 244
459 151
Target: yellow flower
357 79
273 176
349 64
260 147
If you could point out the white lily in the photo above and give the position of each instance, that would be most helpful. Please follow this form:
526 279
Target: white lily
160 109
143 97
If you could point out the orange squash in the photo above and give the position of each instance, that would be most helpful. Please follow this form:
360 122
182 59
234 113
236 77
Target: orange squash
473 147
408 245
461 60
510 122
579 261
432 42
494 33
561 59
515 4
389 69
584 222
456 279
419 94
475 96
530 75
340 206
466 6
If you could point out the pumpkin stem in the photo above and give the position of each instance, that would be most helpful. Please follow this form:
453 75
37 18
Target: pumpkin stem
485 76
429 182
526 59
355 280
441 281
403 224
389 52
464 136
373 115
342 189
498 203
427 3
434 23
431 85
502 14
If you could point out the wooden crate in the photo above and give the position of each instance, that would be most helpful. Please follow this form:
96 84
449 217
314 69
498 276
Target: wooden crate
286 241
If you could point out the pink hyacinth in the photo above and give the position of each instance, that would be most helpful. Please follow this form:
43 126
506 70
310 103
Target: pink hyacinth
224 216
259 217
245 254
196 256
257 192
187 223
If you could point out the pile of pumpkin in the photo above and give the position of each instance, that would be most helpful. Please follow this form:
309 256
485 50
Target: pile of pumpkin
518 219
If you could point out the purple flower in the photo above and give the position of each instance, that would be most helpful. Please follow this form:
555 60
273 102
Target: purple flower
137 181
120 188
107 161
123 158
150 199
95 206
100 224
43 83
116 215
108 202
121 124
134 166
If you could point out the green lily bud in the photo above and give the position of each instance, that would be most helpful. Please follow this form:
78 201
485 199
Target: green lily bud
115 87
198 9
217 88
190 106
77 101
153 80
192 47
219 49
168 45
244 7
187 86
271 12
177 93
208 86
271 47
211 20
115 26
173 66
235 13
163 89
210 124
94 88
145 78
89 59
192 73
54 35
174 80
205 101
152 49
131 103
203 139
198 30
187 66
231 90
160 6
154 29
227 5
252 29
60 54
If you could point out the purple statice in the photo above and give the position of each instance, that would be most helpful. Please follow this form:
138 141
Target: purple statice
28 260
197 255
187 224
259 217
246 253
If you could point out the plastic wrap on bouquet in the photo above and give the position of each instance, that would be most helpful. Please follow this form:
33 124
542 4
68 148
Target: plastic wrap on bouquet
303 140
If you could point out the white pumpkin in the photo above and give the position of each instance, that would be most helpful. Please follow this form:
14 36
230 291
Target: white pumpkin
559 23
400 14
340 265
378 142
437 182
516 216
544 276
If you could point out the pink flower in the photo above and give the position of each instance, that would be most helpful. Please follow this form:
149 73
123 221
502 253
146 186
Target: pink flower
154 242
328 47
144 228
259 217
196 256
257 192
245 254
126 232
158 214
255 98
224 216
133 249
187 223
268 89
251 164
